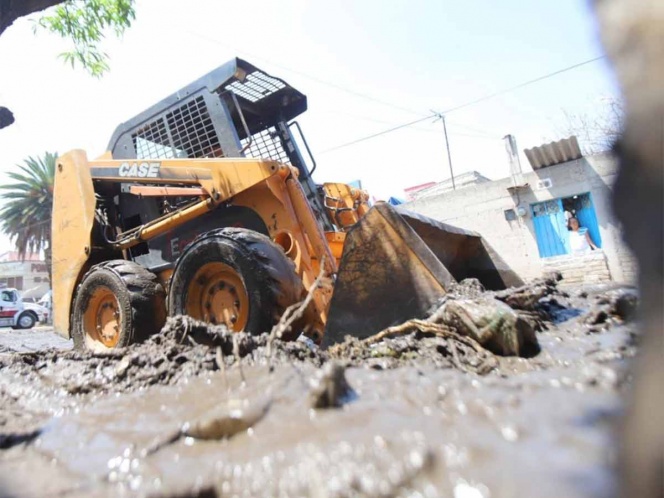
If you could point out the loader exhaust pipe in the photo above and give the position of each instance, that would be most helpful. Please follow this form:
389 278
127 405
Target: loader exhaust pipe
396 264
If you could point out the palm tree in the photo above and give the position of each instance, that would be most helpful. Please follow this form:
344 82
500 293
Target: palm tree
26 211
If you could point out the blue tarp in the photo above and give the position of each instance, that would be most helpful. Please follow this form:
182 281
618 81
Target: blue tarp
393 201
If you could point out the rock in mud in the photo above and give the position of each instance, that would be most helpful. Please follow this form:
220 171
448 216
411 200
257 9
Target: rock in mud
228 419
225 420
14 438
329 387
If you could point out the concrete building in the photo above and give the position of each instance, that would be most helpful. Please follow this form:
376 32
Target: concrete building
524 216
28 275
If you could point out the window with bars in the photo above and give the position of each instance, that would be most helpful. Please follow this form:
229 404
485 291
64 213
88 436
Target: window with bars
152 141
266 145
187 131
256 85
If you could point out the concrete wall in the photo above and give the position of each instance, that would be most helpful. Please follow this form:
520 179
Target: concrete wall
29 277
482 208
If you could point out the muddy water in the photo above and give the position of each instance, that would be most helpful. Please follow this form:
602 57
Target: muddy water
406 424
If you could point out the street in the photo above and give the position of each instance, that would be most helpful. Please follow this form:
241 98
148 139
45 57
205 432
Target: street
35 339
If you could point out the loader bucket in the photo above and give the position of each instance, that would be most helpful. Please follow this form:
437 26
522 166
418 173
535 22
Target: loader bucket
396 264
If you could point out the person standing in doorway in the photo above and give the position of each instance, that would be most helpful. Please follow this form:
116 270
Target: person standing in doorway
579 238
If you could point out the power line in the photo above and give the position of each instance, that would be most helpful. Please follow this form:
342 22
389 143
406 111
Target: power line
467 104
521 85
476 130
478 133
433 115
379 133
352 92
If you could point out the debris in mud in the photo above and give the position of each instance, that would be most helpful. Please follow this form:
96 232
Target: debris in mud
480 325
461 334
329 387
491 323
8 440
450 338
253 349
468 288
416 342
167 358
528 296
612 307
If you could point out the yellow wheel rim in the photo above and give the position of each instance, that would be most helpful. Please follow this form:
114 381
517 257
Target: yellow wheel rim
101 319
217 295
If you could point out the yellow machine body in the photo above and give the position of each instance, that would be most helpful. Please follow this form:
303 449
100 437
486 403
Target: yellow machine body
267 187
220 158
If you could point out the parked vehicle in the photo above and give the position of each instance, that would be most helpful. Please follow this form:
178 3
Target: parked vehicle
42 312
16 314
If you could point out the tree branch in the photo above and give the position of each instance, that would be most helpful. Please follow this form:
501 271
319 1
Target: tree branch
10 10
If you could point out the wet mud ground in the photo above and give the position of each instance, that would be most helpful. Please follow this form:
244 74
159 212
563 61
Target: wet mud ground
411 415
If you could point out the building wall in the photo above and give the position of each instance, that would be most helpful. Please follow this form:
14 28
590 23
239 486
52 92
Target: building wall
482 208
587 268
29 277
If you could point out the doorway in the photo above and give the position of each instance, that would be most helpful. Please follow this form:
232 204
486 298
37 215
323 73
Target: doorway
550 220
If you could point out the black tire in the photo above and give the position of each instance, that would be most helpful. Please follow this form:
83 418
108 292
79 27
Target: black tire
268 276
139 296
26 320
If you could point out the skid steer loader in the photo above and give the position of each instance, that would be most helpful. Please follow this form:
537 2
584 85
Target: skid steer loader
205 205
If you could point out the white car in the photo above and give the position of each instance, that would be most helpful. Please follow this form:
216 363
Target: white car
17 314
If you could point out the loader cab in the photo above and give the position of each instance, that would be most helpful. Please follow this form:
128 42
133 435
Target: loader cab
237 110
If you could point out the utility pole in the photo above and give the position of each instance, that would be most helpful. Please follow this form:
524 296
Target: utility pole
447 144
515 164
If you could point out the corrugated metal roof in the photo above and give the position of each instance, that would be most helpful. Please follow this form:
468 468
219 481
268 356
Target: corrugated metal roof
554 153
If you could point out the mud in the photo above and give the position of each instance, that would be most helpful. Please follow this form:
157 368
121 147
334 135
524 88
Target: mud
197 411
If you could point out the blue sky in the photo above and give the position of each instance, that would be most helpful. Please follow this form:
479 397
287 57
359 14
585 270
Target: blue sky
415 56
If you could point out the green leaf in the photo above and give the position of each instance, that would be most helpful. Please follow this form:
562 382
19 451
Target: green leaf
84 23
